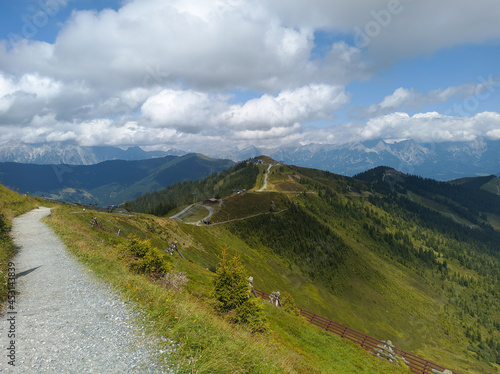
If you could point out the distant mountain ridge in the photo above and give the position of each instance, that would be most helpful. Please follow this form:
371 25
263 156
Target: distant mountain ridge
109 182
71 153
440 161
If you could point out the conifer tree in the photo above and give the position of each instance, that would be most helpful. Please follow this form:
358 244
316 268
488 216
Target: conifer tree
232 293
231 286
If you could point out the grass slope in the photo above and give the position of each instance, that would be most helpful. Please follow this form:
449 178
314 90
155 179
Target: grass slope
493 186
207 342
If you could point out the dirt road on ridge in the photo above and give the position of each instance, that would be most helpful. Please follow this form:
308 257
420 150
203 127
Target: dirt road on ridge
264 187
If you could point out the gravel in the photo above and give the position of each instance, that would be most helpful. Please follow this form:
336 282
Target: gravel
68 321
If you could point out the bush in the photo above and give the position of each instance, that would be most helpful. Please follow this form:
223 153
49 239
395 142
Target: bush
251 313
138 247
148 259
153 262
288 304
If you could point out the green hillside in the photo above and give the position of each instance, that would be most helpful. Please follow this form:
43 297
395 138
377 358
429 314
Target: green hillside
394 256
205 340
493 186
240 176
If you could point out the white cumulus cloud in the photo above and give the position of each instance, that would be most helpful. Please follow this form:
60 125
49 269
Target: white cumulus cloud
431 127
406 99
289 107
194 111
157 71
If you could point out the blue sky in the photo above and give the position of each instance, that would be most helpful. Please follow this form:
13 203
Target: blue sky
42 18
203 75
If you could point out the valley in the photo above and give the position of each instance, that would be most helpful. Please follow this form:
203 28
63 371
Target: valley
108 182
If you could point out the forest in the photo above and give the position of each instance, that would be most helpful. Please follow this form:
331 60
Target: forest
297 235
419 237
241 176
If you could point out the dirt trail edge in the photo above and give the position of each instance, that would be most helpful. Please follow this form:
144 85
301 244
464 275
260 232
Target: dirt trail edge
64 320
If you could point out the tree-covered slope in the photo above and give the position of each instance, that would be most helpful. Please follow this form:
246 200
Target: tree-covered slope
239 177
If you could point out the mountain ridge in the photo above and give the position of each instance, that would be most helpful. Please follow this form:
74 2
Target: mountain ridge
440 161
70 153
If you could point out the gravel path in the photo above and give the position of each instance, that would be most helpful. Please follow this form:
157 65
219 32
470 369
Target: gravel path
66 320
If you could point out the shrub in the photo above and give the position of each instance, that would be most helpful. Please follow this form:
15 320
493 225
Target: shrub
154 262
288 304
251 313
138 247
148 259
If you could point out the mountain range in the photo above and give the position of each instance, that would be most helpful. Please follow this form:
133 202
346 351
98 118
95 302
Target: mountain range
71 153
109 182
440 161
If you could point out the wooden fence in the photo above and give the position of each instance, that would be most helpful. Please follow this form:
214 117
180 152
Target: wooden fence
416 364
98 225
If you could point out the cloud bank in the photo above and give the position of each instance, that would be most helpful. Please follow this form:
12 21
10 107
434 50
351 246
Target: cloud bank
184 73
